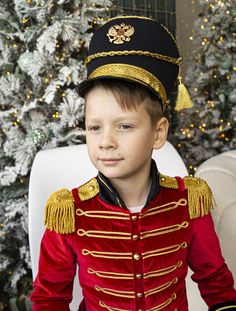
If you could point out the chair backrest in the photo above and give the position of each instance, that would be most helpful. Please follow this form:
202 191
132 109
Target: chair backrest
220 173
70 167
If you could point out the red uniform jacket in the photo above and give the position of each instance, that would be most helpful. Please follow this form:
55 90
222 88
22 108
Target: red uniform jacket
130 262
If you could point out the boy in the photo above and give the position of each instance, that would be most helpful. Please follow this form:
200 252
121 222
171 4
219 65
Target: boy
132 231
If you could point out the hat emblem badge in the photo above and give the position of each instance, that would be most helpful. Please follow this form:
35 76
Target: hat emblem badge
118 34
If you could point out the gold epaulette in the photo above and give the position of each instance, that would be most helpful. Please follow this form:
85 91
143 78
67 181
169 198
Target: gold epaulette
88 190
59 212
200 197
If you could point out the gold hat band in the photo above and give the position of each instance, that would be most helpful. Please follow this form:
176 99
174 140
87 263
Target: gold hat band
166 58
133 73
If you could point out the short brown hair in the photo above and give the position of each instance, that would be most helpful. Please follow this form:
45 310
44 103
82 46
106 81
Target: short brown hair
129 95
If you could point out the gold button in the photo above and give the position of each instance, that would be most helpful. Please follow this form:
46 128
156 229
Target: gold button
138 276
139 295
136 256
91 188
135 237
134 217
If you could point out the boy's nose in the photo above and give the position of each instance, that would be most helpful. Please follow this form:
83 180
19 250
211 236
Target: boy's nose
107 140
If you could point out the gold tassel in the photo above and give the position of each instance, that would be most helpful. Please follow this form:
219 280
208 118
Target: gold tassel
59 212
183 99
200 197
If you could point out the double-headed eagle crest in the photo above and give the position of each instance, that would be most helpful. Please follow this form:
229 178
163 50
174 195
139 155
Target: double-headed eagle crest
119 34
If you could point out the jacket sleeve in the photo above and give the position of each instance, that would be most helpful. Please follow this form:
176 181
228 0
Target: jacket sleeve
214 279
57 265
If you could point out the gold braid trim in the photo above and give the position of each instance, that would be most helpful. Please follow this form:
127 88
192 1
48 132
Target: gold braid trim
88 190
164 304
165 58
133 73
59 212
109 308
130 16
200 197
226 308
168 182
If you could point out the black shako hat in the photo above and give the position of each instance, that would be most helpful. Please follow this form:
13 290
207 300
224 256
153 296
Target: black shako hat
137 49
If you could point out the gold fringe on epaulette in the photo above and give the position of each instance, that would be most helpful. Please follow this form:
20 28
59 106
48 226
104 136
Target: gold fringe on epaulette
59 212
200 197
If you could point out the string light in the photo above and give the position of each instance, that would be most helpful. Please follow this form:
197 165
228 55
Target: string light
24 20
56 115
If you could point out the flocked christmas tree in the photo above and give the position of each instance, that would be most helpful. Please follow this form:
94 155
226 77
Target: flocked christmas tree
209 127
42 47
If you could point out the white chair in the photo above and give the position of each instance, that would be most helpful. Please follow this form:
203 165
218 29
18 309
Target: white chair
70 167
220 173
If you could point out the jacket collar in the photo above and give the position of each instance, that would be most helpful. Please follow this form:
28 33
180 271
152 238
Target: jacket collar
109 194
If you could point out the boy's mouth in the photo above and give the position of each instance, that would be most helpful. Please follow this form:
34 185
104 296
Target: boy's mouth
110 160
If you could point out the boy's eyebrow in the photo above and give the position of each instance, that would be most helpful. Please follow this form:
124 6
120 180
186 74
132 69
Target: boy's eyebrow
116 119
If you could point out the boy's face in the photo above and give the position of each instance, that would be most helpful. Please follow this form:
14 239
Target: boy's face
120 142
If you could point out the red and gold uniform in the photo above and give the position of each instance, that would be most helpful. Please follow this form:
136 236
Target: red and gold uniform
132 262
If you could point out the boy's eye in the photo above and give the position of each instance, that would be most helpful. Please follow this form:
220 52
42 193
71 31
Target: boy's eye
125 126
93 128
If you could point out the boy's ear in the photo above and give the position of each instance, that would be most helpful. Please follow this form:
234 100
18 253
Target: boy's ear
161 132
